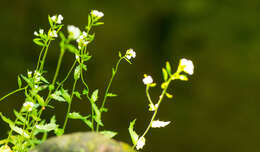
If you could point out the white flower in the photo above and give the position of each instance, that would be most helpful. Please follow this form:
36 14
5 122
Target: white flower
187 66
82 40
53 33
74 32
28 106
153 107
97 13
140 143
159 124
57 20
147 80
40 32
130 53
29 74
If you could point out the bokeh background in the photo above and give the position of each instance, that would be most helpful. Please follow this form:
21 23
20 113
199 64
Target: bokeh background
217 110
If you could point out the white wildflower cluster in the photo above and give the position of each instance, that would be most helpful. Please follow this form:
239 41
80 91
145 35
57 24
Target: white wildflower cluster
140 143
74 32
147 79
186 66
41 31
28 106
159 124
130 53
97 14
57 19
82 40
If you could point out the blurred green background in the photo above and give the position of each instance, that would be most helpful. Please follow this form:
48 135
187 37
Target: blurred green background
217 110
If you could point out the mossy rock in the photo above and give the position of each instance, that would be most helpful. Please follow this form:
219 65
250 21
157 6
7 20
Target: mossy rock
82 142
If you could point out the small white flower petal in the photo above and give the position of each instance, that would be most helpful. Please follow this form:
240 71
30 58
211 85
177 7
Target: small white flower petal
28 106
97 13
74 32
187 66
159 124
140 143
148 80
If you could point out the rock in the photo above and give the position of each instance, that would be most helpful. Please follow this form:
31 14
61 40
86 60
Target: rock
82 142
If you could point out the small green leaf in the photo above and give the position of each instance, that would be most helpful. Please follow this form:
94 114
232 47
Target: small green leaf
111 95
98 24
85 91
50 21
40 100
94 95
128 60
44 80
28 81
165 74
119 54
19 81
72 48
133 134
88 123
20 117
57 96
109 134
19 131
65 95
86 57
169 95
168 68
38 42
77 94
59 131
75 115
6 119
103 110
77 73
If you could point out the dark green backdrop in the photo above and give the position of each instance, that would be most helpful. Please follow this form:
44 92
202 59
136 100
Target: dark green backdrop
217 110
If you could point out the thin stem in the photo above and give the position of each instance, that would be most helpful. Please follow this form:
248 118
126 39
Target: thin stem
107 89
148 95
44 56
13 92
69 106
39 59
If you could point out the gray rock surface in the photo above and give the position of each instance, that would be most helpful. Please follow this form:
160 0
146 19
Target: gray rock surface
82 142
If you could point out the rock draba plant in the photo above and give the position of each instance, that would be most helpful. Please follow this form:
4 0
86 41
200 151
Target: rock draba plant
185 66
30 129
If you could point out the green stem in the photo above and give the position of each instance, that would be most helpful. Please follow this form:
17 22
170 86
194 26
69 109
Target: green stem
69 106
13 92
39 59
107 89
148 95
44 56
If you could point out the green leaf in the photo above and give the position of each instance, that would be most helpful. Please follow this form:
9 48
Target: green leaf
165 74
5 119
133 134
62 36
65 95
75 115
20 117
119 54
40 100
94 95
38 42
77 94
128 60
97 116
168 68
28 81
59 131
19 81
169 95
72 48
77 73
86 57
47 127
103 110
85 91
44 80
109 134
88 123
50 21
19 131
111 95
57 96
98 23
